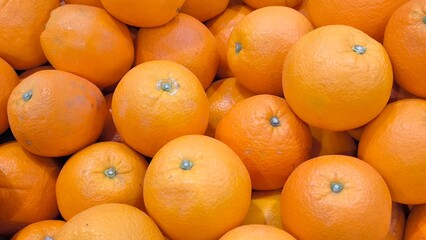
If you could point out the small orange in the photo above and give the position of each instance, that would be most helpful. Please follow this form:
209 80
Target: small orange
22 22
156 102
264 208
56 113
302 7
404 40
397 226
204 10
95 3
392 142
104 172
415 228
110 221
348 83
223 94
269 138
42 230
196 187
330 197
258 46
97 47
356 132
265 3
221 27
143 13
331 142
9 80
368 16
109 133
184 40
30 71
256 232
27 192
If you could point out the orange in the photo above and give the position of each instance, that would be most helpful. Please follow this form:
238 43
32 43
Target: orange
255 232
56 113
223 94
368 16
269 138
397 226
331 142
265 3
348 83
110 221
197 183
27 193
42 230
95 3
356 132
302 7
30 71
104 172
21 25
336 197
391 144
184 40
258 46
264 208
221 27
404 41
109 133
204 10
9 80
101 44
156 102
415 228
143 13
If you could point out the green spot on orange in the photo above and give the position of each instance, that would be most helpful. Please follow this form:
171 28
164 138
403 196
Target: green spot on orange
238 47
336 187
359 49
27 95
110 172
186 164
274 121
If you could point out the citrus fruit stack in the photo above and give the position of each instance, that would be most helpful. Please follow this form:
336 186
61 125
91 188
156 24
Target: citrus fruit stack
226 119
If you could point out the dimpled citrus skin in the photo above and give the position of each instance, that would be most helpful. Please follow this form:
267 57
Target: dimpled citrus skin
156 102
40 230
269 138
197 183
110 221
184 40
390 143
348 83
71 42
9 80
336 197
56 113
22 22
404 40
258 46
143 13
255 232
27 188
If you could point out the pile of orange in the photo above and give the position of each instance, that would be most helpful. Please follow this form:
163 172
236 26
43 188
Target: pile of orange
215 120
